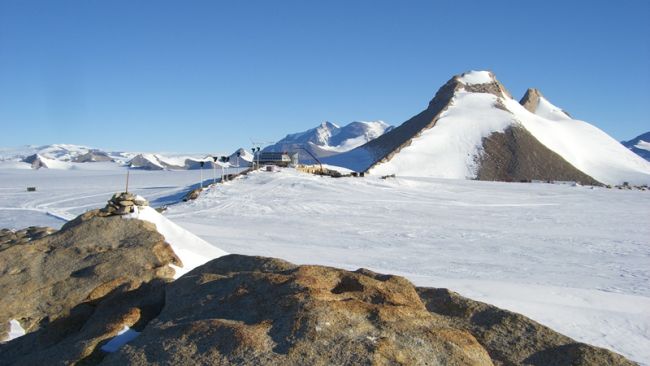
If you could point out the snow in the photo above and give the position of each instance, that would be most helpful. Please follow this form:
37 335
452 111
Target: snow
643 145
329 137
192 250
64 194
123 337
15 330
449 149
572 258
583 145
476 77
549 111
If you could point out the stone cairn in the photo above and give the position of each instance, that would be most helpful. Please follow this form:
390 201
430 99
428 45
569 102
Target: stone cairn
123 203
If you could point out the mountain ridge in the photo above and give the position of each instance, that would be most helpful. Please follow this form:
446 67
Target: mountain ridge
447 139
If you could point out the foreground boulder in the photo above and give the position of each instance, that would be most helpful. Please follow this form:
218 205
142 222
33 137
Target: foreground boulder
56 281
253 310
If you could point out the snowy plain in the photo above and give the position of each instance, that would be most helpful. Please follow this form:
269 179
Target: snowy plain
573 258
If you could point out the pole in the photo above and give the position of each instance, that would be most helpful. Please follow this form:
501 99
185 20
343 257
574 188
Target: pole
201 182
126 190
214 173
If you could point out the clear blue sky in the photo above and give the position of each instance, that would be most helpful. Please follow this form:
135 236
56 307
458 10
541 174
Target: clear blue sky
202 76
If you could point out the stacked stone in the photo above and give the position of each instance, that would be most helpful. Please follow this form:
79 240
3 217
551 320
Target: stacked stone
11 237
124 203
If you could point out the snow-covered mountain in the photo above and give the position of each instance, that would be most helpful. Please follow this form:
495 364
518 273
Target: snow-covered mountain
329 139
640 145
61 153
474 129
66 156
148 161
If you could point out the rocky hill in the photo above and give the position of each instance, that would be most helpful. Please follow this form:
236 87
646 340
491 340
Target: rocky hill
474 129
101 291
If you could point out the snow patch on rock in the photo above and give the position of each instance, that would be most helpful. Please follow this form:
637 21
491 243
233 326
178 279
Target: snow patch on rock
192 250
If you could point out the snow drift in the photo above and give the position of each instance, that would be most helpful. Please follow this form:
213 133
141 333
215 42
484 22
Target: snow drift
192 250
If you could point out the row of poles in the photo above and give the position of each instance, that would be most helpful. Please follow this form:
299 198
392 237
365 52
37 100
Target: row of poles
221 159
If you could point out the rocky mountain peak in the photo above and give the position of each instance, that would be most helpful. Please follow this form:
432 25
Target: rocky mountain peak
530 100
471 81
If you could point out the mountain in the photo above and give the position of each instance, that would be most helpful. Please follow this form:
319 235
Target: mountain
329 139
149 161
640 145
66 156
61 153
474 129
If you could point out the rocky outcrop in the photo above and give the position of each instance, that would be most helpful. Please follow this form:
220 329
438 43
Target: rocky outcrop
264 311
510 338
531 99
92 156
15 237
36 161
120 204
51 278
516 155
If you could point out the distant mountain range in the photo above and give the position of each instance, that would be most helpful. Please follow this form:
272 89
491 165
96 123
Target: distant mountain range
329 139
66 156
640 145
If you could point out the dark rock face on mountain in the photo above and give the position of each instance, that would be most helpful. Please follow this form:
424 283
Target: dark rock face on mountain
92 156
640 145
56 276
516 155
531 98
263 311
36 161
386 146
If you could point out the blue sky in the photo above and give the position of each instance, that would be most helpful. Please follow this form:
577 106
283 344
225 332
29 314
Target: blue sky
206 76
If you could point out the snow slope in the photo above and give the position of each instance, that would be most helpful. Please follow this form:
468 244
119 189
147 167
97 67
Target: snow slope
192 250
583 145
449 150
453 146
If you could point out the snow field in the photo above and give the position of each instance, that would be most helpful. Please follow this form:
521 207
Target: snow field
573 258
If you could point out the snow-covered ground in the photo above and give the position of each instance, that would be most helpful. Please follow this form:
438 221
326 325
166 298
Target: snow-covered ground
63 194
574 258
